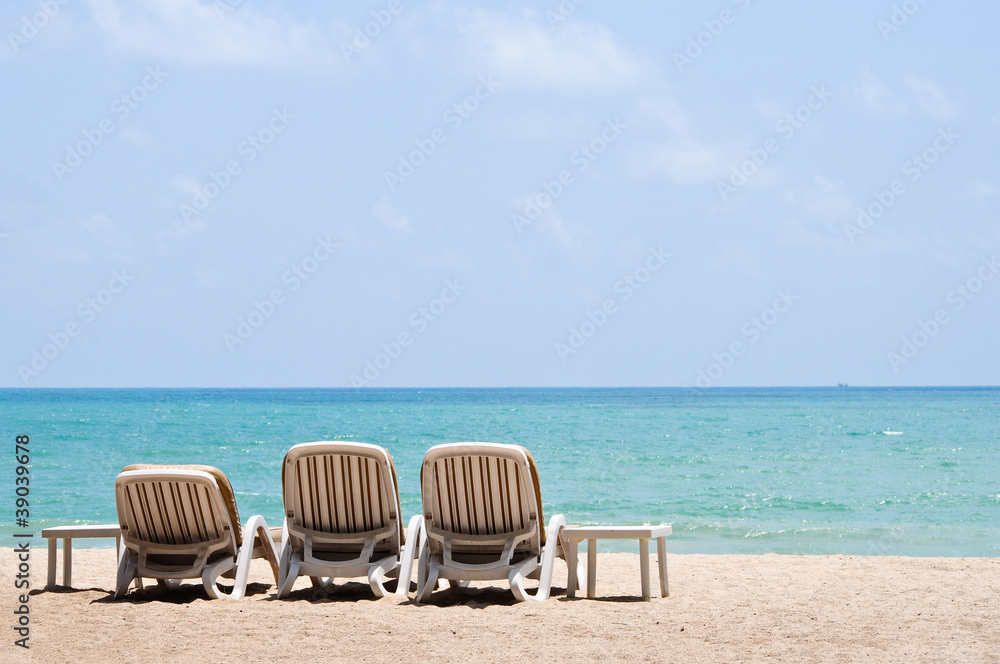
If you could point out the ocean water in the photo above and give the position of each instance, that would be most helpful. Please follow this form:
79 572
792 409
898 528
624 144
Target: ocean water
870 471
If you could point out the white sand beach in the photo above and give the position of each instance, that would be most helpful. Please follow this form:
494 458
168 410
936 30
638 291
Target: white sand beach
722 608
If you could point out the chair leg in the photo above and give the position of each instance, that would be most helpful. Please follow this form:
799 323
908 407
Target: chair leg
126 572
288 571
427 573
255 524
210 578
414 531
547 562
516 579
378 572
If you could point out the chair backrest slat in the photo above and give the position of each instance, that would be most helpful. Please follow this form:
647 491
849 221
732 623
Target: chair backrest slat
481 489
170 508
341 488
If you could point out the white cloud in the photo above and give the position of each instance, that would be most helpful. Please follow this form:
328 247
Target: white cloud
523 51
109 241
194 33
770 108
876 98
931 98
673 151
980 189
185 185
138 137
574 238
823 198
99 224
689 161
389 217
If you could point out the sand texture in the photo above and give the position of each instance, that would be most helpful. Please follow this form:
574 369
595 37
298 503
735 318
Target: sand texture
721 609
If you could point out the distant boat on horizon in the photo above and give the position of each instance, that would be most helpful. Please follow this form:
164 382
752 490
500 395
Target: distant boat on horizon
841 384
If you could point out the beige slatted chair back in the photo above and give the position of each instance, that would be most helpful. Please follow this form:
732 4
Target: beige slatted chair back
480 496
341 494
166 512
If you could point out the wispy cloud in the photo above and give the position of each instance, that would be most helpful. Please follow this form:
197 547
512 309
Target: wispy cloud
524 51
931 98
389 217
184 185
673 150
195 33
574 238
981 190
824 198
873 96
138 137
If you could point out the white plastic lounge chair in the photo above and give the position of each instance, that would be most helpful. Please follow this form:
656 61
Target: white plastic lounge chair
483 519
343 517
181 522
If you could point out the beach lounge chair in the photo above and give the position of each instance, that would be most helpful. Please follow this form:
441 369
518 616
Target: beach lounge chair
343 517
181 522
483 519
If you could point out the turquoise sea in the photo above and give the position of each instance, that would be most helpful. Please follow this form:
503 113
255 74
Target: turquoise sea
871 471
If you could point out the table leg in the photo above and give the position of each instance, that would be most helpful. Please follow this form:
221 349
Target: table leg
51 581
644 566
68 562
661 552
571 582
591 568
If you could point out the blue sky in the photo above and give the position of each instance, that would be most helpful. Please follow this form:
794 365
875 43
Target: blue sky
499 194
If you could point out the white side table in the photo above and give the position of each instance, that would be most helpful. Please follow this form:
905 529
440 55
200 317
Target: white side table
593 533
66 534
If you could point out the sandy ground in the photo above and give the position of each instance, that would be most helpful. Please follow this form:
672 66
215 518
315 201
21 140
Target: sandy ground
721 609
